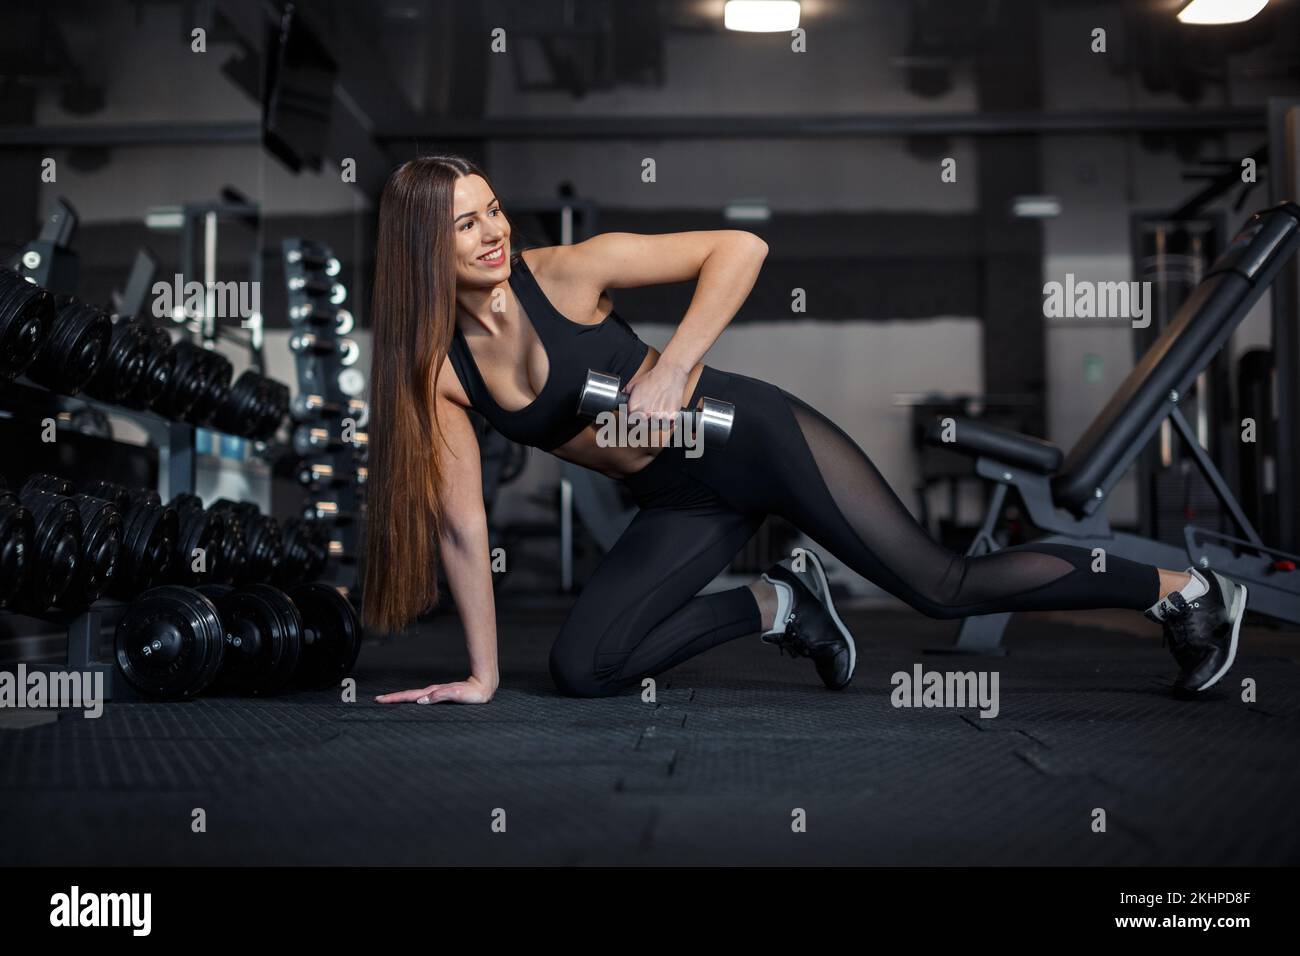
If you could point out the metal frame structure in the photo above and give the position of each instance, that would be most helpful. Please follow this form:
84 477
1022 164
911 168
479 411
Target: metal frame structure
1211 228
801 126
199 231
175 440
85 638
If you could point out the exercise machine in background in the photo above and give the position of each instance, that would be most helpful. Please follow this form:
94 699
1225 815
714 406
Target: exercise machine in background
1066 496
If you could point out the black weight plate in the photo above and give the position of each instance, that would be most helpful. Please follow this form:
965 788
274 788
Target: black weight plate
188 381
56 549
27 313
110 492
237 414
292 569
122 367
320 551
148 540
159 366
161 544
216 387
145 496
49 483
199 530
265 549
291 621
331 635
169 643
86 355
259 646
275 411
233 563
17 532
101 548
306 551
184 503
129 580
130 577
75 348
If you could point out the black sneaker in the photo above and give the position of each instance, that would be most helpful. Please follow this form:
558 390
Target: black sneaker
1202 633
812 627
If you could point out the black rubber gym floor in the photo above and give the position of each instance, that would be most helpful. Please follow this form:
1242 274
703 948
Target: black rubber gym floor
737 743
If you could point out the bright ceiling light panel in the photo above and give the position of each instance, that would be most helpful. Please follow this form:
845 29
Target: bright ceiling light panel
1220 11
761 16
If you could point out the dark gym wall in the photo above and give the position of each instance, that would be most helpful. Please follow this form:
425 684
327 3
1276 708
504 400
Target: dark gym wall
1008 79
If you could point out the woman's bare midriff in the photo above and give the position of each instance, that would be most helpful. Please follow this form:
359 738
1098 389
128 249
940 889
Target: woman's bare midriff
614 461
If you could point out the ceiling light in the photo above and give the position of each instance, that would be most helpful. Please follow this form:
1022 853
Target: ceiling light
747 210
761 16
164 218
1220 11
1036 207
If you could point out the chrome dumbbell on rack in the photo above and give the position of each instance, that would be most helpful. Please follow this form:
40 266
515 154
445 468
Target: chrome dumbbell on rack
330 416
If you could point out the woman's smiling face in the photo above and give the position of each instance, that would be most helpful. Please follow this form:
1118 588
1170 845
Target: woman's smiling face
482 234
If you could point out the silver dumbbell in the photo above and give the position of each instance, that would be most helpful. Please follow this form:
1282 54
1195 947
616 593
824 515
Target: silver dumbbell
604 393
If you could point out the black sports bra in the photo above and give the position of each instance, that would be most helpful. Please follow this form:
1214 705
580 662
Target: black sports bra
571 349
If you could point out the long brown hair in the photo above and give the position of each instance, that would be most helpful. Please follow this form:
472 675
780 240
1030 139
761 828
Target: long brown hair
413 312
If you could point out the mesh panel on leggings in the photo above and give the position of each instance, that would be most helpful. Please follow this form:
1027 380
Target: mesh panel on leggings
878 537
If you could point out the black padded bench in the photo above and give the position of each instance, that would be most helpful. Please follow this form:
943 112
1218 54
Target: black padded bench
1066 494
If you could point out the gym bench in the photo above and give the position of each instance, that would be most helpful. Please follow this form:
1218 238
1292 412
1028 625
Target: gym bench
1066 495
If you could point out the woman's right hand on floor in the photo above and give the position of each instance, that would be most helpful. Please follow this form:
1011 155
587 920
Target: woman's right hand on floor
468 691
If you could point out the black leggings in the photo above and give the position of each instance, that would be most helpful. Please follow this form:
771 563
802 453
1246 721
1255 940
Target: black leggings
641 613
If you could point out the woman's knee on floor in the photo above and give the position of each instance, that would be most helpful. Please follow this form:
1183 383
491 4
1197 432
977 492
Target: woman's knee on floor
576 678
573 667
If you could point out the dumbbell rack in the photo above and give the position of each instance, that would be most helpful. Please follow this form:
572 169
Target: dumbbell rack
177 461
175 440
319 346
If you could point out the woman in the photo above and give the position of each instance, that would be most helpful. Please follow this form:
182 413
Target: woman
460 321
